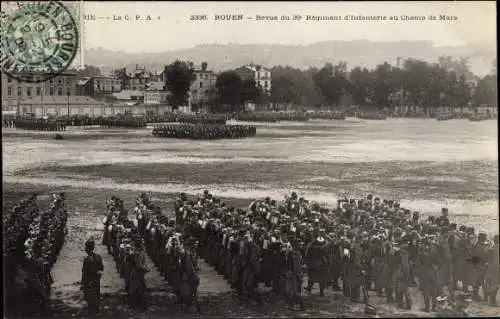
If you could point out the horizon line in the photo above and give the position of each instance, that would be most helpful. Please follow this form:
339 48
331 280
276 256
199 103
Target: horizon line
434 44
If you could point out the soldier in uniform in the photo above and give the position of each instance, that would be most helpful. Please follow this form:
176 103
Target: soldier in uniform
91 277
492 278
445 261
479 258
137 286
429 281
292 275
402 278
316 258
464 265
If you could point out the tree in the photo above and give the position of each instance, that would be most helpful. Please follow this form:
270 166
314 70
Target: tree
464 95
291 85
249 92
361 86
229 88
178 78
485 92
382 87
332 82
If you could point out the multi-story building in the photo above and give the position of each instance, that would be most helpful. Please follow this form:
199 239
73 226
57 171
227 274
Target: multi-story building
105 84
98 85
139 79
42 106
259 74
202 90
14 92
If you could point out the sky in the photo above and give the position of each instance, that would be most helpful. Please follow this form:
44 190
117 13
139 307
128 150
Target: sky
476 22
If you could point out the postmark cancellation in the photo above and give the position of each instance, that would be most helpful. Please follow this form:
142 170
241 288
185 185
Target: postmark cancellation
42 38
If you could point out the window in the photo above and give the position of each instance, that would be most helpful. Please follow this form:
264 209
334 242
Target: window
19 91
38 91
59 91
51 92
265 84
51 81
206 76
28 91
201 85
60 81
68 91
9 79
9 91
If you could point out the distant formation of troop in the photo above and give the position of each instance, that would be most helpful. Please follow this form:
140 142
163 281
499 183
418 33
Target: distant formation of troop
202 119
122 122
32 242
205 131
270 116
40 124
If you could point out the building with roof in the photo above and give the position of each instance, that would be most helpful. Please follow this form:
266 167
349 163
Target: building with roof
258 73
42 106
129 95
138 79
98 85
14 91
202 90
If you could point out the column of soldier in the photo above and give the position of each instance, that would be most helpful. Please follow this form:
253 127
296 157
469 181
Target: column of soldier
367 244
40 124
202 119
125 245
33 240
122 122
205 131
174 259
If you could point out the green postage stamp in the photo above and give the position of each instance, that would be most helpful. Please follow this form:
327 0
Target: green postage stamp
42 38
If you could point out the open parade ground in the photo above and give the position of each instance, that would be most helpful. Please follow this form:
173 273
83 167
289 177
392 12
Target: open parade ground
424 164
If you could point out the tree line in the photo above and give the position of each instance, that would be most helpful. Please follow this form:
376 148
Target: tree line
447 82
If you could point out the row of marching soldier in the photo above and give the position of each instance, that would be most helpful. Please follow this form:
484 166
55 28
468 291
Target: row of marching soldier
33 240
360 246
152 233
368 244
204 131
40 124
125 244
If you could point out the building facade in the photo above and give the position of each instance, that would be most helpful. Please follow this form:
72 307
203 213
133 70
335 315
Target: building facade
46 106
202 90
259 74
97 85
14 92
139 79
155 97
105 84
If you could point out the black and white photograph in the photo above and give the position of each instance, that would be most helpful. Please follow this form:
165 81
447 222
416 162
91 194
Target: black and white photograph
212 159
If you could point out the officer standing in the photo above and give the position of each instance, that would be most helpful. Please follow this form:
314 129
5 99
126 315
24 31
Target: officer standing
91 277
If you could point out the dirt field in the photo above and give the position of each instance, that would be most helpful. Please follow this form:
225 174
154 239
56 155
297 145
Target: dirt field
423 163
86 210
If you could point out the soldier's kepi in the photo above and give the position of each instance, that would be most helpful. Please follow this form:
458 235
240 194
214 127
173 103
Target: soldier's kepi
39 40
